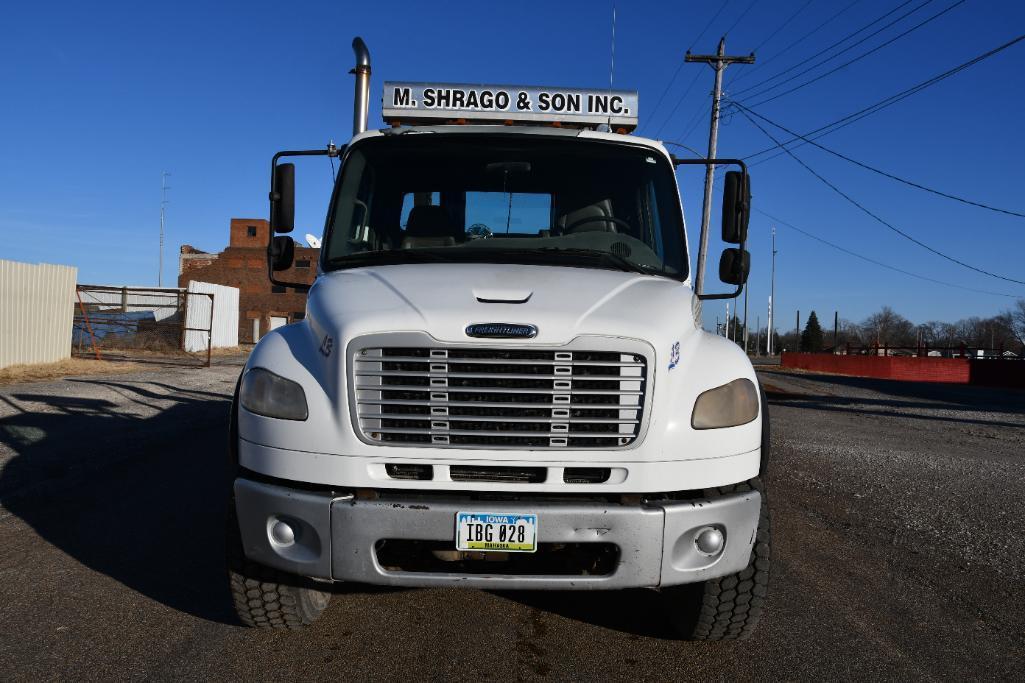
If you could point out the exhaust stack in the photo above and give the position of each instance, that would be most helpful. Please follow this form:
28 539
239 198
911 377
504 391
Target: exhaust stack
361 99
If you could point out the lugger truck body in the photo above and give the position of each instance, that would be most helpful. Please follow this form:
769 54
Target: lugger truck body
501 381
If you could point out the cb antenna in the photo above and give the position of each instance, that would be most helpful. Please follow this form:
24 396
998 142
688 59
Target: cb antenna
612 59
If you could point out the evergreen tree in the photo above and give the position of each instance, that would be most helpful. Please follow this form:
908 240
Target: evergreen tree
811 338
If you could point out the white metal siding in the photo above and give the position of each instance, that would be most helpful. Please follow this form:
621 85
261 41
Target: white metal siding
225 316
160 301
36 311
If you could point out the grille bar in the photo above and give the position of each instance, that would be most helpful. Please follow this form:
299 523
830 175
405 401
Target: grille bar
486 375
499 397
485 432
503 390
516 361
485 404
427 417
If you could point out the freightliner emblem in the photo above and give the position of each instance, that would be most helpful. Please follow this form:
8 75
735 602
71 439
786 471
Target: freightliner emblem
501 331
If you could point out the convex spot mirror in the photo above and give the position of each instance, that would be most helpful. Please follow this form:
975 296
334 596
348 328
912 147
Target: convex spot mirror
736 207
282 197
734 266
281 252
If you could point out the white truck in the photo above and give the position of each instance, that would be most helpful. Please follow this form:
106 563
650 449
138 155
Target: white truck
501 381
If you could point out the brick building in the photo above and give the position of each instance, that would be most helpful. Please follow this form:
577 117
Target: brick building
243 264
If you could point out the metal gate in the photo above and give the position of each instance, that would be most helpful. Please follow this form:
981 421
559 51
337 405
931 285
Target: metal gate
139 324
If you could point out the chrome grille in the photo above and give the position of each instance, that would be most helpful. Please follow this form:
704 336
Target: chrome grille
499 398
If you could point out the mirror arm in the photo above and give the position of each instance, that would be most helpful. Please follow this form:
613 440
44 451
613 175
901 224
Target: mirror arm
728 295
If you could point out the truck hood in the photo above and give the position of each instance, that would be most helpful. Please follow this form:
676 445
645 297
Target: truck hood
568 305
443 299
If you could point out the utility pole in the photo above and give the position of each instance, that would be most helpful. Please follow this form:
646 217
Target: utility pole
745 319
718 62
163 204
836 330
758 336
797 330
772 291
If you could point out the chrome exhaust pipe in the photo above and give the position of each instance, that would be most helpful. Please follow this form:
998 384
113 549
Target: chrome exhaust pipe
361 98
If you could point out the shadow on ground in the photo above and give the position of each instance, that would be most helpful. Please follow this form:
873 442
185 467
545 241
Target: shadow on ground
637 612
138 499
947 401
142 500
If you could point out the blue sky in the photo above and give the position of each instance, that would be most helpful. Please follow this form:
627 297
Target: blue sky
98 99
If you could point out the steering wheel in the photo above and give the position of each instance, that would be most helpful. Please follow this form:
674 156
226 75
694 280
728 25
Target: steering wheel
592 219
478 231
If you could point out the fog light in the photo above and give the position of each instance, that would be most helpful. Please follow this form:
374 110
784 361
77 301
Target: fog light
282 534
709 541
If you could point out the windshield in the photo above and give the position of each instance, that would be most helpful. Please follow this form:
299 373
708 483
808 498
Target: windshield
417 198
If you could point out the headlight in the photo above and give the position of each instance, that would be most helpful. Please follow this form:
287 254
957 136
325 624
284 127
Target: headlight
264 393
730 405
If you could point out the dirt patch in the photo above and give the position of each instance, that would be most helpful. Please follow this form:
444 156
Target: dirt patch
773 391
37 372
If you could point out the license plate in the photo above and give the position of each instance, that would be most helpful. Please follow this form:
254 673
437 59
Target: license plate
502 531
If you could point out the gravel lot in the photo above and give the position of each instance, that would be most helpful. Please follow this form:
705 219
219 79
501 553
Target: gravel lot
898 511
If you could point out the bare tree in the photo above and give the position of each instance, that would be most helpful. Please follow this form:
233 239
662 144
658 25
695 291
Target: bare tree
1016 322
887 327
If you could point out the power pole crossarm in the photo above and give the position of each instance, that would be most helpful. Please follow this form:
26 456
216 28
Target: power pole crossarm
718 62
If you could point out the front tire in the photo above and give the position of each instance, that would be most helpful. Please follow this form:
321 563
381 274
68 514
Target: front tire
727 608
265 597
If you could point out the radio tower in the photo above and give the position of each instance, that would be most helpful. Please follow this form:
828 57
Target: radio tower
163 204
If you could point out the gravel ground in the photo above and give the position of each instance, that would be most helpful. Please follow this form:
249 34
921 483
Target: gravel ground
898 511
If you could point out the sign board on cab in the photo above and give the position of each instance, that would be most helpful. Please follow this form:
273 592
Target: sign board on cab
577 107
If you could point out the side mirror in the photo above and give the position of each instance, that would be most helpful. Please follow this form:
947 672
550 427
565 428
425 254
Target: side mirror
282 199
734 266
736 207
281 252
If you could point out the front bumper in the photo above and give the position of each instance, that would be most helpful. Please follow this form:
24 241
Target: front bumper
336 537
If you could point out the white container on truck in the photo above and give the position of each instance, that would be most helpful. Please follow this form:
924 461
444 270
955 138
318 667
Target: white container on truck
501 381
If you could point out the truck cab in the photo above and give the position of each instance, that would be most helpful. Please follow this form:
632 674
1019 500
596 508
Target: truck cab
501 380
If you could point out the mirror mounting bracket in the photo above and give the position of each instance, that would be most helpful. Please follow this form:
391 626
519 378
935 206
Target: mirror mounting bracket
330 151
743 169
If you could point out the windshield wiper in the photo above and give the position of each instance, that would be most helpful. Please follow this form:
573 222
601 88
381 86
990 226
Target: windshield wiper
608 256
388 257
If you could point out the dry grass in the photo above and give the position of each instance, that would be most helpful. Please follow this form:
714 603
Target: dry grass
38 372
140 353
229 351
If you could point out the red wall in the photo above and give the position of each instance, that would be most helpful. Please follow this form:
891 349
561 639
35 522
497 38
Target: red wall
990 372
956 370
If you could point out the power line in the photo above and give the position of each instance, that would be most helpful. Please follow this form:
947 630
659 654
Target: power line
886 102
679 67
679 101
879 263
795 43
742 15
865 166
708 25
693 123
856 59
891 226
693 151
665 90
826 49
786 22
